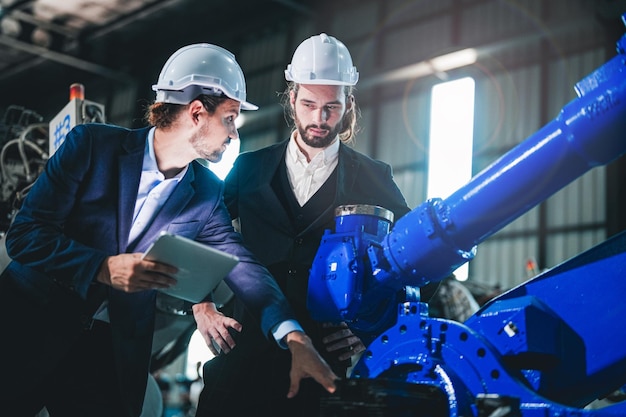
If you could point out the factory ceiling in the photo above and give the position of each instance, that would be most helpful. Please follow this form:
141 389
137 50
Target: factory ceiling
46 43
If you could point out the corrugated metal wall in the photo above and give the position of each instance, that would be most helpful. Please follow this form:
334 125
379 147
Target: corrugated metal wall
531 53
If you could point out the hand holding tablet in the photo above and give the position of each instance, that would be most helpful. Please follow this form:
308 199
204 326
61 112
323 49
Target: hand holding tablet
200 267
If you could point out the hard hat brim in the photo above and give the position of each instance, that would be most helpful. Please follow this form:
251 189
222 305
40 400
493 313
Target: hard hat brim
188 94
248 106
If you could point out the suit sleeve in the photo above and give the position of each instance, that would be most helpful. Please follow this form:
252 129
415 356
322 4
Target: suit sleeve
396 203
375 185
393 196
250 281
37 237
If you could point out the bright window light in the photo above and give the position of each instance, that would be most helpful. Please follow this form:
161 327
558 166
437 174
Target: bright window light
451 141
197 351
222 168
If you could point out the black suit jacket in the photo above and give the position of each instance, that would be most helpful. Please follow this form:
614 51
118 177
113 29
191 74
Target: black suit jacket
263 218
253 378
80 211
287 252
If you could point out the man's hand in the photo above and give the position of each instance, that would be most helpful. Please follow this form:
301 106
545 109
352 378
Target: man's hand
213 326
306 362
129 273
343 341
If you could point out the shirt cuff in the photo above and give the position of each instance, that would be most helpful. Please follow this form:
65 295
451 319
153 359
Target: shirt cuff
282 329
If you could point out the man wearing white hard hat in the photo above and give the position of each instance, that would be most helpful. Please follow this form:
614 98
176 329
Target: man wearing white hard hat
284 197
77 302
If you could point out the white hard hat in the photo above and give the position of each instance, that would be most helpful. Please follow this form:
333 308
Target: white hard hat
201 69
322 59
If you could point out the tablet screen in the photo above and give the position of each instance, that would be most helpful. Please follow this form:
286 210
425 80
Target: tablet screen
200 267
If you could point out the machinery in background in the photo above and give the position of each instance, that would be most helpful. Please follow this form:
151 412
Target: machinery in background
23 154
76 112
546 348
27 142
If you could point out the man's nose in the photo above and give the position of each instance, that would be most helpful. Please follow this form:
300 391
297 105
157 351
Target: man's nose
322 115
234 133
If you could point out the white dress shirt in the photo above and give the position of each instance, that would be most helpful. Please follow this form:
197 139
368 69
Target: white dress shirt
154 190
307 177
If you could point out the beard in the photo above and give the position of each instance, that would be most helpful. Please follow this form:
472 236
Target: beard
205 149
214 156
315 141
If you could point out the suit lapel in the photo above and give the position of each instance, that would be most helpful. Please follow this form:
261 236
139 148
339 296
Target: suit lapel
130 164
347 171
268 198
173 206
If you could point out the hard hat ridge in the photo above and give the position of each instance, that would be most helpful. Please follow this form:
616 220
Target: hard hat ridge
201 68
322 59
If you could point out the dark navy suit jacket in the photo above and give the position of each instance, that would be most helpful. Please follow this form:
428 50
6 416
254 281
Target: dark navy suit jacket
78 212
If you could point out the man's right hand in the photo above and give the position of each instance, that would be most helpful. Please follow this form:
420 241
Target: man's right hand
306 362
128 272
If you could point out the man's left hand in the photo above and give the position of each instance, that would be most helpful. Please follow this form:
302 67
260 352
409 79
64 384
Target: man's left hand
214 326
342 341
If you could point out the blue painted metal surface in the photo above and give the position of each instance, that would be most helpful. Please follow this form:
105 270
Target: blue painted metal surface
576 351
552 344
341 263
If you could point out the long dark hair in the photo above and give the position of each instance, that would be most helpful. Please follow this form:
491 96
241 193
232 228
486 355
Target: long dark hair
349 122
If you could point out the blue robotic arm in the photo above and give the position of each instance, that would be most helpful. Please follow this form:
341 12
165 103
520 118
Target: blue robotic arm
545 348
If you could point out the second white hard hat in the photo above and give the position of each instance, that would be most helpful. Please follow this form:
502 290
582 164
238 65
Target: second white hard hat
322 59
201 68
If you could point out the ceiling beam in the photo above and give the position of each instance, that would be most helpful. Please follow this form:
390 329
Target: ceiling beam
47 54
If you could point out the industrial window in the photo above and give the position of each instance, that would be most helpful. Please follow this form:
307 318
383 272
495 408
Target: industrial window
451 141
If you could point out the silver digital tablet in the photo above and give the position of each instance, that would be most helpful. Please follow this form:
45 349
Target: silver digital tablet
200 267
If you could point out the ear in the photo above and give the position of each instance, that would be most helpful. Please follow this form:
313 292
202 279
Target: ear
350 102
194 109
292 99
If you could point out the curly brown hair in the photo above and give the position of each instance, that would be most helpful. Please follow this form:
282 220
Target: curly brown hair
163 115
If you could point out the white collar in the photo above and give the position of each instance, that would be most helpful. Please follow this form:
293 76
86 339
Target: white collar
325 157
149 158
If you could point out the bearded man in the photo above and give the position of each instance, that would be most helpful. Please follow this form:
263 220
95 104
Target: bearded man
284 196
